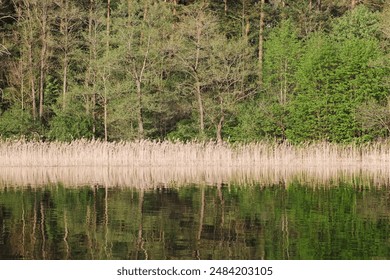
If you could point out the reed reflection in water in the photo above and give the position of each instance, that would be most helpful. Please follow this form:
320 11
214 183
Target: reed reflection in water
152 177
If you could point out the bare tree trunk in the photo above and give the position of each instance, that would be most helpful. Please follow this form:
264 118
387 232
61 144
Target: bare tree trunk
220 123
65 31
261 40
64 81
139 80
219 129
108 24
90 75
105 81
245 21
200 104
32 82
43 58
139 111
105 107
197 82
29 43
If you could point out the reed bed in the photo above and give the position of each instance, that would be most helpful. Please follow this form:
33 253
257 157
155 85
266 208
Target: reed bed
194 154
146 164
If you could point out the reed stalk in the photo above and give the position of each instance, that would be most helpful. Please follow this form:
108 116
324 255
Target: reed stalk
148 163
194 154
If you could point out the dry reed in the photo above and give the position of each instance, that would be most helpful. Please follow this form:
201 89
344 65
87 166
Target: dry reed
161 177
146 163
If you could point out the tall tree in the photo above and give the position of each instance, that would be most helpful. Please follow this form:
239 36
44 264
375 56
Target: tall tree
69 26
42 13
144 51
197 30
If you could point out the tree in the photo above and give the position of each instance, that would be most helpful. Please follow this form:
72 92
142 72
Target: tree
196 31
69 25
333 79
233 73
282 52
144 49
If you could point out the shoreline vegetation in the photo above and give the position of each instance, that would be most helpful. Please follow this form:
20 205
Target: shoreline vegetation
237 71
147 164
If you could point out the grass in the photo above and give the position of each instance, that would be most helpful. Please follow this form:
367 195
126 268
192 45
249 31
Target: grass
146 163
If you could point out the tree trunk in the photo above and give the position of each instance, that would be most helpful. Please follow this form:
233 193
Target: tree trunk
64 29
43 58
139 111
32 82
90 76
198 91
200 104
29 42
221 120
108 24
261 40
108 70
219 129
64 81
105 109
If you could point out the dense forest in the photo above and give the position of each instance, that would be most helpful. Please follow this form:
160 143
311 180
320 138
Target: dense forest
242 70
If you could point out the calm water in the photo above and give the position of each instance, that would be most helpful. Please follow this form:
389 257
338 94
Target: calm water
194 222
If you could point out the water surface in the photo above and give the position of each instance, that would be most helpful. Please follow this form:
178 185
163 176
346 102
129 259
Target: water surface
224 221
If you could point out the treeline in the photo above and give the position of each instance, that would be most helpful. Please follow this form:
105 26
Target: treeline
242 70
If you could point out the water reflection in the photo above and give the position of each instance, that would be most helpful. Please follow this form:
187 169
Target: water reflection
195 222
154 177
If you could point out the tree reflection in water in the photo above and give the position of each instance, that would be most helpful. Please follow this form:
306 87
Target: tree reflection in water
294 221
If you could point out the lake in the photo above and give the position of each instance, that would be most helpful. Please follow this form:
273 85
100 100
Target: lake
343 218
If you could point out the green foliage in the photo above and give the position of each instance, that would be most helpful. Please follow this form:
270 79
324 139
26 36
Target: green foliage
257 120
186 130
358 23
16 122
67 127
282 52
333 79
158 69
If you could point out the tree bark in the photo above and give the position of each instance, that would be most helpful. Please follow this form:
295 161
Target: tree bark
44 53
105 104
200 104
198 90
90 76
139 111
29 43
65 32
261 40
219 129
